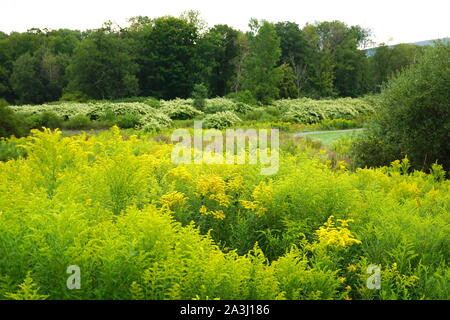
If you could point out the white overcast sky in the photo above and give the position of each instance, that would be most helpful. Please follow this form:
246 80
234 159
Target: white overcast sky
392 21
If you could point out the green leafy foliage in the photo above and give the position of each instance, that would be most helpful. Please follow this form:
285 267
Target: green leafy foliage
11 123
27 290
311 111
102 67
244 96
168 54
221 120
199 95
142 227
127 121
222 104
261 75
3 103
79 121
413 117
74 97
180 109
10 149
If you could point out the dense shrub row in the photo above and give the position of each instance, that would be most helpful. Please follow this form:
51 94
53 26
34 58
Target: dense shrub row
152 114
311 111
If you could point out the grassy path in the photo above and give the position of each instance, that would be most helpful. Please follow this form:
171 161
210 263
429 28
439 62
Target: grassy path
328 131
327 137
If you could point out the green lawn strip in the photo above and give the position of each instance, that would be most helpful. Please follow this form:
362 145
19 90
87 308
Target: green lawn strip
328 138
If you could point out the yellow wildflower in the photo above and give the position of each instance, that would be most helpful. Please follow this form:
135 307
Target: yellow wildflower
221 199
173 198
180 173
344 223
218 214
209 184
263 192
249 204
351 268
203 209
330 235
236 184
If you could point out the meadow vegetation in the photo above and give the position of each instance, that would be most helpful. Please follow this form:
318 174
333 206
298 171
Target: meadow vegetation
139 226
142 227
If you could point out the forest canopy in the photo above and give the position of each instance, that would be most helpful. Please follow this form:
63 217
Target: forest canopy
166 57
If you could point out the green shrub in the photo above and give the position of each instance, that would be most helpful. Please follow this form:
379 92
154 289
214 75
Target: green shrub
152 102
244 96
223 104
242 108
199 94
107 116
50 120
370 149
10 149
96 111
74 97
261 114
413 117
221 120
80 121
154 121
11 123
127 121
3 103
216 105
179 109
338 124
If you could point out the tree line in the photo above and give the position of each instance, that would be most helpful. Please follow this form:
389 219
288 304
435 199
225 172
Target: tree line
166 57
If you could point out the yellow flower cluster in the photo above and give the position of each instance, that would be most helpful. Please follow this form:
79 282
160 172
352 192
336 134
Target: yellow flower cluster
331 235
180 173
401 279
262 195
221 198
210 184
405 190
352 268
400 166
263 192
218 214
236 184
250 205
213 187
173 198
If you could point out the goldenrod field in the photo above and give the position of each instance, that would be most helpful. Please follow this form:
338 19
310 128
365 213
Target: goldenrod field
140 227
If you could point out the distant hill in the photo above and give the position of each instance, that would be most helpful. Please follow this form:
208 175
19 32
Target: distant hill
370 52
430 42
